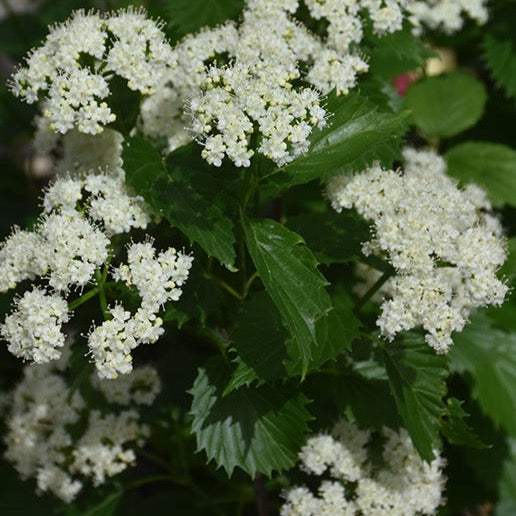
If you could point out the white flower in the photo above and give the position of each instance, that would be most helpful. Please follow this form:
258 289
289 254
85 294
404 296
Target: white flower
405 485
36 436
140 387
445 249
113 206
83 153
74 248
33 330
101 452
68 248
21 257
125 43
46 438
445 14
157 278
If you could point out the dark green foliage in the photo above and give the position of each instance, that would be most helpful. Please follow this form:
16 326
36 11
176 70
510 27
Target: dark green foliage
257 429
358 133
417 381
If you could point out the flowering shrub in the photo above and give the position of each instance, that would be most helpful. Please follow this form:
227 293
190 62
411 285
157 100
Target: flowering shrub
308 208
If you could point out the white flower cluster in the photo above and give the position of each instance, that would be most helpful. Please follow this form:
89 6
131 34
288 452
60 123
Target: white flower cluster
246 92
42 442
67 247
443 243
140 387
157 280
84 152
447 15
404 486
33 330
79 58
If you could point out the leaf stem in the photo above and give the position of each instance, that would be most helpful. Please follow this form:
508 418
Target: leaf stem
372 291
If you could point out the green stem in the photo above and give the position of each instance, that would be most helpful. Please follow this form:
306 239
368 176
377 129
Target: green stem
154 458
247 286
372 291
373 339
102 295
149 480
222 284
80 300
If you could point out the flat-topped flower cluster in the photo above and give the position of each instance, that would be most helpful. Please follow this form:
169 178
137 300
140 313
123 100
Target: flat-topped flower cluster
403 485
74 66
443 243
70 248
42 439
232 89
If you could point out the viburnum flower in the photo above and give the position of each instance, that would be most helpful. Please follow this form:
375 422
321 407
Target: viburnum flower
443 243
72 70
67 249
46 440
357 485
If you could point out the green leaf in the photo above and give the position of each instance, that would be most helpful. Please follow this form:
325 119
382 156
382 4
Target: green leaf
188 16
509 267
500 56
202 298
257 429
369 402
266 352
333 237
259 337
396 53
289 272
191 200
417 381
490 165
106 507
455 429
143 166
357 134
488 355
507 485
444 106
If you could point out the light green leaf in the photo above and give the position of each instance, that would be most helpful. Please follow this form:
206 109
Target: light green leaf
357 134
488 354
417 381
500 56
444 106
191 200
257 429
490 165
289 272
